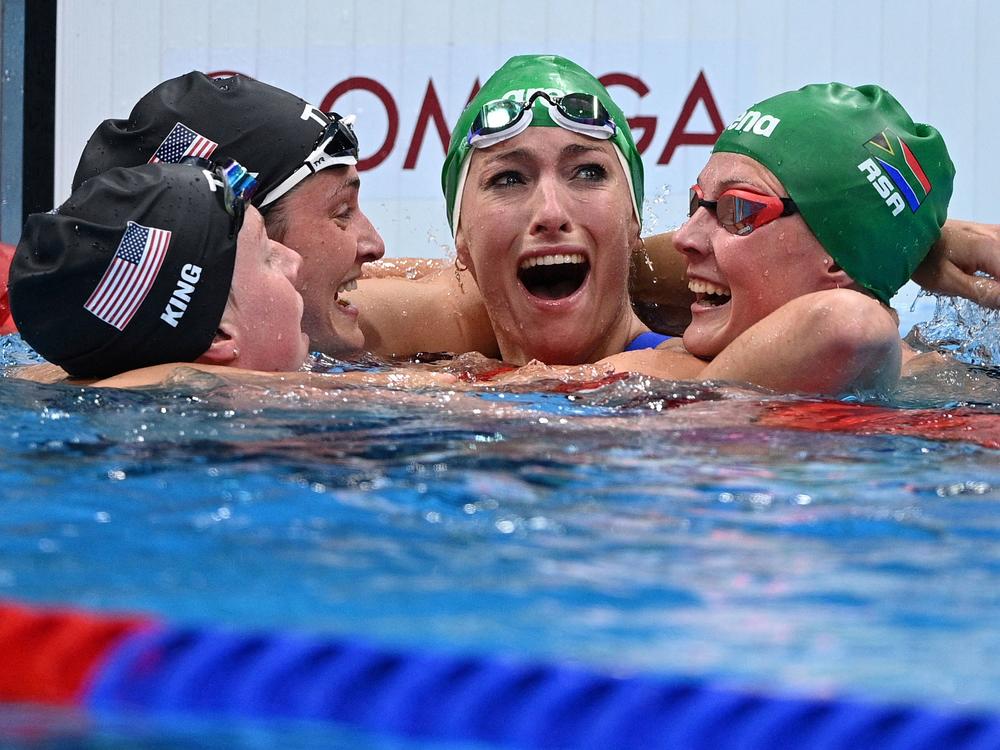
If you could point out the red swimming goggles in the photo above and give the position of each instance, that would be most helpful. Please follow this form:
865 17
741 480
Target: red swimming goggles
741 211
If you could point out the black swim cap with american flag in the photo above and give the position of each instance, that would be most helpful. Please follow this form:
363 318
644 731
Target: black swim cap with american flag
266 129
133 270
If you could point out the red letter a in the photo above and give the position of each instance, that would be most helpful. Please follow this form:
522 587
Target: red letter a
700 92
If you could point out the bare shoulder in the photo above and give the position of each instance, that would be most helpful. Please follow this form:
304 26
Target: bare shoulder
669 361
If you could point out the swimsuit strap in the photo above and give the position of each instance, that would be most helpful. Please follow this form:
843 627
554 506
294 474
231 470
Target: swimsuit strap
647 340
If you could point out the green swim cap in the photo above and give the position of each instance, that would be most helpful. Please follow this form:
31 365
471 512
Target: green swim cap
516 79
871 184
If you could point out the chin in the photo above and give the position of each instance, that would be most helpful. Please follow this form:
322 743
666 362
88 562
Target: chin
337 343
350 346
701 345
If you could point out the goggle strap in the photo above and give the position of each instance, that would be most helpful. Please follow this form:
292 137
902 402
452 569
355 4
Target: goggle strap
463 175
320 159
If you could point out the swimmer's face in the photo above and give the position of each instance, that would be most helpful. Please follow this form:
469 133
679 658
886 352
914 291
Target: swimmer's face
547 229
264 308
739 280
325 225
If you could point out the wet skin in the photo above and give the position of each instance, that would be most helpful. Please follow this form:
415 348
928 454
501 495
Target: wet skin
739 280
264 312
546 229
327 227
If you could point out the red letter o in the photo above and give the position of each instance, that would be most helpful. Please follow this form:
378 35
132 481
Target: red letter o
359 83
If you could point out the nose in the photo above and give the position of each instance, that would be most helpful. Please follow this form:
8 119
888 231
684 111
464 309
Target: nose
550 212
370 244
693 236
291 262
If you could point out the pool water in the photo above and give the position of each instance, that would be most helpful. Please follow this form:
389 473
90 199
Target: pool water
640 526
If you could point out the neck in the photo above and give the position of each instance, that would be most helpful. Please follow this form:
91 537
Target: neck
520 347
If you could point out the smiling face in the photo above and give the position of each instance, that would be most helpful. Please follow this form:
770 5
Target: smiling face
547 228
264 312
322 221
738 280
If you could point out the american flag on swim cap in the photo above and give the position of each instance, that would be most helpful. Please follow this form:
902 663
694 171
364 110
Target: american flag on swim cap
128 279
181 141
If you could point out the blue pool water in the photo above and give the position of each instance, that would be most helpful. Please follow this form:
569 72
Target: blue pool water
640 527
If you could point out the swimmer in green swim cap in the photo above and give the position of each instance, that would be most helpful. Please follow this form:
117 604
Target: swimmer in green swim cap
524 309
814 208
543 186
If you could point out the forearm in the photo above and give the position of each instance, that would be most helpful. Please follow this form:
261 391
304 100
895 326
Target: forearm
659 285
830 342
438 312
403 268
952 266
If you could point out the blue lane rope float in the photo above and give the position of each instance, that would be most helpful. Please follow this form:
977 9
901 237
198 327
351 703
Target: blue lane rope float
153 668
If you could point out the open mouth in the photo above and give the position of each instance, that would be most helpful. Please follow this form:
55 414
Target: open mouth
553 276
709 294
349 286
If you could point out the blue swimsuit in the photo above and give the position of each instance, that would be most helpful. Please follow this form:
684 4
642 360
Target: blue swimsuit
648 340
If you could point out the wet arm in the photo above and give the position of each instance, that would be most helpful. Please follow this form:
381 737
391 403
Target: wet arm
950 268
434 312
189 373
830 342
659 285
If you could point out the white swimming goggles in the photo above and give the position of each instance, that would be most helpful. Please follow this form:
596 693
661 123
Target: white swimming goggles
336 145
501 119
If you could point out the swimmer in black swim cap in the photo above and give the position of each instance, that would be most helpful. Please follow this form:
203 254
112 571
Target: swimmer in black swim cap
158 264
304 159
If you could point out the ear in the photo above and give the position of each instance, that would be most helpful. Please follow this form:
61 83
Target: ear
636 232
836 277
223 349
464 257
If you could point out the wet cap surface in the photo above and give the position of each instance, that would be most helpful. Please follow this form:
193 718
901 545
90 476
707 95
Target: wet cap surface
870 183
133 270
268 130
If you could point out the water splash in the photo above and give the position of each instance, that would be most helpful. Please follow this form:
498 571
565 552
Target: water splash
14 351
652 208
963 329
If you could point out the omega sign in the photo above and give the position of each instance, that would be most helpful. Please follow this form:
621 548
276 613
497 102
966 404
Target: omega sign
431 117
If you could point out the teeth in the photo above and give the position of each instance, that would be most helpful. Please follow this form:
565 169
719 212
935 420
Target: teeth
350 286
707 287
552 260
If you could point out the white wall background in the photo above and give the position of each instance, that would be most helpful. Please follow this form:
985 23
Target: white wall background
940 59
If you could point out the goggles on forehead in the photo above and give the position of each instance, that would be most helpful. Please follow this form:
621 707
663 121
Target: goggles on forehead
501 119
741 211
336 145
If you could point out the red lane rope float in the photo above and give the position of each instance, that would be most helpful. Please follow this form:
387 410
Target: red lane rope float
6 321
982 428
48 656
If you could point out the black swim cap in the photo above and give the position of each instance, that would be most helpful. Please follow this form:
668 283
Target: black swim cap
269 131
133 270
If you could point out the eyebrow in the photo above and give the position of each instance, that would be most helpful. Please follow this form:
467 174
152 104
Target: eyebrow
575 149
728 184
521 154
354 182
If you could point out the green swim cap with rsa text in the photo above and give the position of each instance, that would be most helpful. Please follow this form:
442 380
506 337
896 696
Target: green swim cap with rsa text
870 183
